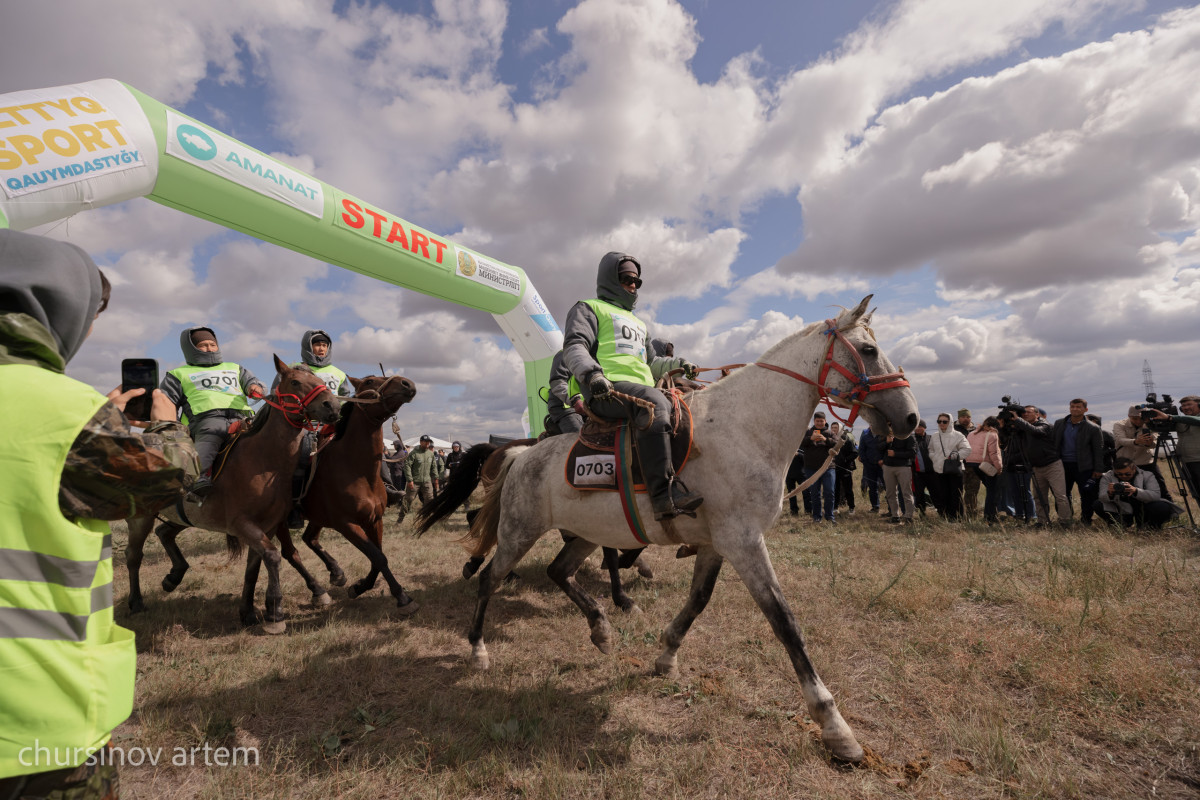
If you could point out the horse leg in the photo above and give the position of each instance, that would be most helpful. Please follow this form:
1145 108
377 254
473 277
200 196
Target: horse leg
336 576
562 572
612 562
704 578
273 616
139 529
248 613
166 533
379 564
754 565
514 544
287 548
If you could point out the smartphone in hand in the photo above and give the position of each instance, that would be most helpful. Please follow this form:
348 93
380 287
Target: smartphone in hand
139 373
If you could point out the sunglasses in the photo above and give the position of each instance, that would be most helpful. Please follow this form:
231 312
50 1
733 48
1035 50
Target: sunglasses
943 422
630 280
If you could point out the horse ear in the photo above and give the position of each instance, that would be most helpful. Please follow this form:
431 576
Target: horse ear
279 365
861 308
356 382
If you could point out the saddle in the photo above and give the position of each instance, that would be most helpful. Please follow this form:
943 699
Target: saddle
592 462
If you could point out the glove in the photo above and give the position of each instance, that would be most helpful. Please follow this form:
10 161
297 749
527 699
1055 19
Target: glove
600 387
689 370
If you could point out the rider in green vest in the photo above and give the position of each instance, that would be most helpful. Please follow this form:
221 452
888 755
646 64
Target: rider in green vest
316 351
210 393
604 347
68 459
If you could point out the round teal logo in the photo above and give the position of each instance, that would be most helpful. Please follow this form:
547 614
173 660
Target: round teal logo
195 142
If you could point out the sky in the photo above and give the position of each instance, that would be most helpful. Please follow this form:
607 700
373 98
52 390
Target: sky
1017 183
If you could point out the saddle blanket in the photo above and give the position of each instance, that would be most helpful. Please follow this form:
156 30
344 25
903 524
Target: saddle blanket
592 463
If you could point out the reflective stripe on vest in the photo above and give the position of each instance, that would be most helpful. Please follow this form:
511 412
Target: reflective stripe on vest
67 668
620 345
211 388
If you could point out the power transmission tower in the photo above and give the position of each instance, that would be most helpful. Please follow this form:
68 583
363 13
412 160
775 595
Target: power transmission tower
1147 378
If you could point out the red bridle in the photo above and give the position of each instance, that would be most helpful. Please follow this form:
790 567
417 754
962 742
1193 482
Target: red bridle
861 383
298 406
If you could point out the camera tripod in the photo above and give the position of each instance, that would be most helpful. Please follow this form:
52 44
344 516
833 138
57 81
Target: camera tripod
1165 451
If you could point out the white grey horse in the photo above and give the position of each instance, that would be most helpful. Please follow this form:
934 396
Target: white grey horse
747 428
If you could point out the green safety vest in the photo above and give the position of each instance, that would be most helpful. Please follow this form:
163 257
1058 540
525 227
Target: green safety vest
212 388
332 376
66 669
620 346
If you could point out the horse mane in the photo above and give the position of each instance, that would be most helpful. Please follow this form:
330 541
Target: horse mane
343 424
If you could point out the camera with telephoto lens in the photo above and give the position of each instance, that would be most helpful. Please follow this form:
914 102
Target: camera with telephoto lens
1167 406
1007 405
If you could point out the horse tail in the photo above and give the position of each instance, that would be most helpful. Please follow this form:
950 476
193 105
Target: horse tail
458 489
233 546
484 531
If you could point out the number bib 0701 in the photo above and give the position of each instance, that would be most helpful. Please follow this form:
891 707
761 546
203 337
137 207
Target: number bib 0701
629 336
217 380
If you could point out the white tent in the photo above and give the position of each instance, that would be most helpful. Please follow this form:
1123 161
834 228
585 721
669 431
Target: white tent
438 444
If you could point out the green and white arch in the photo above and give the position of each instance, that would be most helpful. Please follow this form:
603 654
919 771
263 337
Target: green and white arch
71 148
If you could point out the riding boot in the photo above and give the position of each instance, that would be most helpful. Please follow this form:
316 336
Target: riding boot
202 487
668 496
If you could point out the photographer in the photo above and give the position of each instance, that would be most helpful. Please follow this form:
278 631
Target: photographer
1187 425
1035 438
1129 496
1137 442
1016 479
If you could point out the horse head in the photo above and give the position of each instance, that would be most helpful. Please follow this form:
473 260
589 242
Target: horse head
302 393
888 400
389 392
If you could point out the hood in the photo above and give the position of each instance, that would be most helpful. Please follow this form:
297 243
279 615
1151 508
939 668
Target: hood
55 283
195 357
608 288
306 353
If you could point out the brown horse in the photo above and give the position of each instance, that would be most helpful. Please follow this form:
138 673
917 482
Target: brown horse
250 495
480 465
346 492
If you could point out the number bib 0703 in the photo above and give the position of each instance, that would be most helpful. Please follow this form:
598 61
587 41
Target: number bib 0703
629 336
596 470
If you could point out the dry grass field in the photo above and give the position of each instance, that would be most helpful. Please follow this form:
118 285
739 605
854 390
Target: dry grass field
972 662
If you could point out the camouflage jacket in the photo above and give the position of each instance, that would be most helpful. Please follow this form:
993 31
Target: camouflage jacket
112 471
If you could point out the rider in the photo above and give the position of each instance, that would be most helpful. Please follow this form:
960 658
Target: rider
605 349
209 393
561 416
316 351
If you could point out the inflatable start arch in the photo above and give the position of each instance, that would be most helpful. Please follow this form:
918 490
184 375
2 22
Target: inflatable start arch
70 148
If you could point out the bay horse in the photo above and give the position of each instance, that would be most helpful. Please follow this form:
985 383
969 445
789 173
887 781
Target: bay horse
346 491
250 495
748 425
480 465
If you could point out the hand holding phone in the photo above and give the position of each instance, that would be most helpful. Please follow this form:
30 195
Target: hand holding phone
139 373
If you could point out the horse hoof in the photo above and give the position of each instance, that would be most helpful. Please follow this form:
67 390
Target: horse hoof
666 667
322 599
644 569
338 579
409 608
251 619
602 637
136 606
274 628
632 608
844 748
170 583
479 657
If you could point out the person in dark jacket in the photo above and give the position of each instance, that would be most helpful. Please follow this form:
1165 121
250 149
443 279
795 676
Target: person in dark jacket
872 477
846 462
605 348
1081 448
817 443
923 487
897 461
1035 438
795 477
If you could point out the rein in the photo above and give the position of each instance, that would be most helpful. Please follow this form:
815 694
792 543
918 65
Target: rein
861 383
290 404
